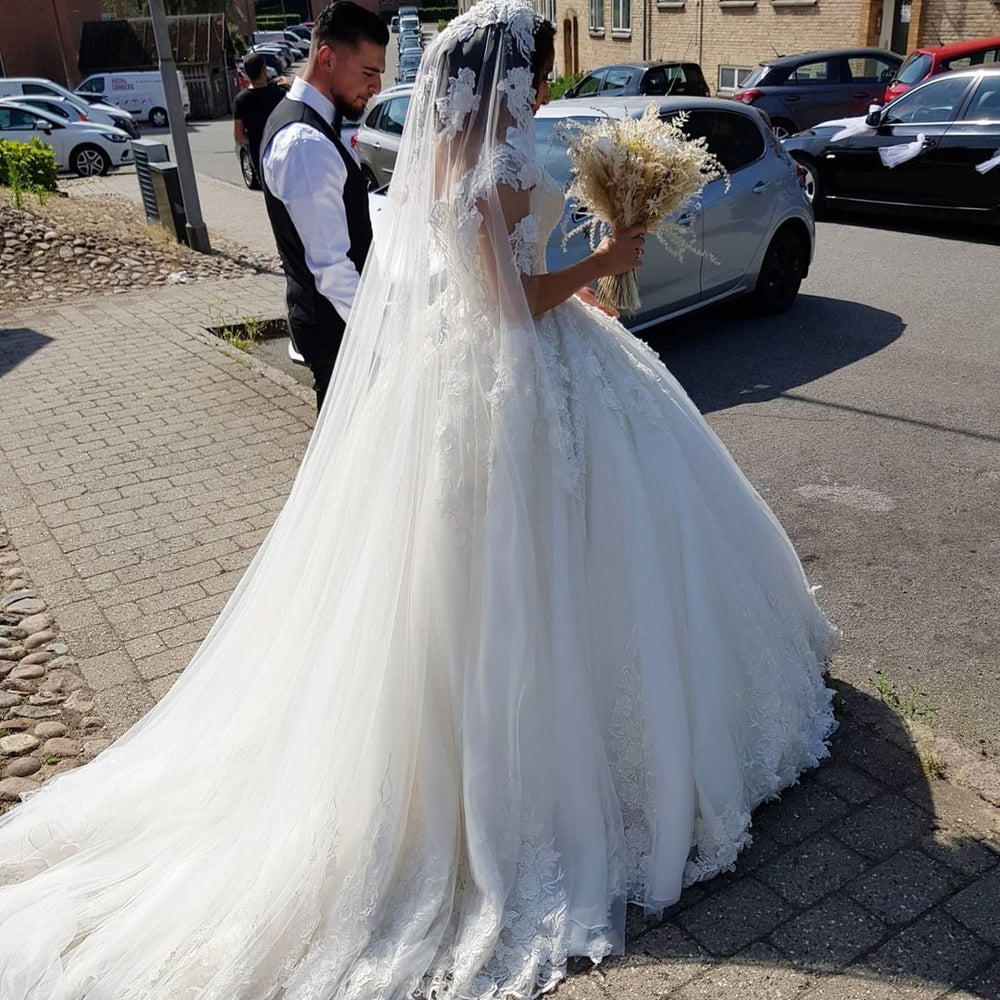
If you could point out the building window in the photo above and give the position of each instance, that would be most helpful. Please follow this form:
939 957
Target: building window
547 8
731 77
621 16
597 16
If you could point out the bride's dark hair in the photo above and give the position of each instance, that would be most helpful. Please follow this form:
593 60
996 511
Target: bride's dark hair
545 50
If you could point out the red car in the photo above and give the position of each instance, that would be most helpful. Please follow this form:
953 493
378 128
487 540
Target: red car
924 63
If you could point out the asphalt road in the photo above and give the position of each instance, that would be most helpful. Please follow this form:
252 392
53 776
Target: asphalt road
868 417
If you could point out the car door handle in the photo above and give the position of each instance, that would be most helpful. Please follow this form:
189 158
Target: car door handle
687 218
377 145
792 100
860 94
760 187
929 143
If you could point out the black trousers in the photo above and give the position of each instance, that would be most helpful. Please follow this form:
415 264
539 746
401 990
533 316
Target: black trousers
321 381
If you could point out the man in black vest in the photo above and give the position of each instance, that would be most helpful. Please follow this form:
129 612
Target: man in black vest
315 193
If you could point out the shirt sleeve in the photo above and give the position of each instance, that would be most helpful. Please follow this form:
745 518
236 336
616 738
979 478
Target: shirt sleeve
305 171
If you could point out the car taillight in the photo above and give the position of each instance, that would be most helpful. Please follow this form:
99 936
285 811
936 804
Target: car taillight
801 175
83 117
748 96
354 141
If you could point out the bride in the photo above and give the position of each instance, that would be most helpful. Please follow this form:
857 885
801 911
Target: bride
539 649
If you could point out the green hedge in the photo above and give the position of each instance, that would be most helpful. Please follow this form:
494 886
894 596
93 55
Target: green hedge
27 165
429 15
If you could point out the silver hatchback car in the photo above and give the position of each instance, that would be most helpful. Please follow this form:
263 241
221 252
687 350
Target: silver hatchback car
379 134
755 236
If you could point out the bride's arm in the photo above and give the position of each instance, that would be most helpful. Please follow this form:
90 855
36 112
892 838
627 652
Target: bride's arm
616 254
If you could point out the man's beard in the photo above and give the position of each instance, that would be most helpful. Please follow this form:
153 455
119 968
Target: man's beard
346 109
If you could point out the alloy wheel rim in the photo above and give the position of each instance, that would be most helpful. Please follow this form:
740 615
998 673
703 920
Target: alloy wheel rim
89 162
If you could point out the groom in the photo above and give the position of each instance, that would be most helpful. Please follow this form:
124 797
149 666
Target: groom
316 195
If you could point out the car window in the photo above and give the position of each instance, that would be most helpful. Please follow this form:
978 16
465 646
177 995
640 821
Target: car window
985 104
394 116
821 71
589 85
934 102
551 146
914 69
95 85
870 69
991 56
14 119
694 75
616 81
371 121
37 88
756 76
54 109
655 82
732 137
958 62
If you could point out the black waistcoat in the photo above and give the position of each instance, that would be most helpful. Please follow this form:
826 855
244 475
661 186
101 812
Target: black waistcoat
315 325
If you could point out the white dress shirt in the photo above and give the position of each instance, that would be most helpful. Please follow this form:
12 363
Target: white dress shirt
304 170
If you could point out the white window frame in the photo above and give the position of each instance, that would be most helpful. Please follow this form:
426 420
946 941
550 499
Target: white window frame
621 17
596 17
547 9
739 74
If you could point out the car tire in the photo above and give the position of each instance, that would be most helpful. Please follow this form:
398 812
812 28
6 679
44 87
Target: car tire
158 118
813 185
781 272
249 174
89 161
370 179
783 128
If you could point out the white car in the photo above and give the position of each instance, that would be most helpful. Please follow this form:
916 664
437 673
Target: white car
66 110
85 148
139 92
91 105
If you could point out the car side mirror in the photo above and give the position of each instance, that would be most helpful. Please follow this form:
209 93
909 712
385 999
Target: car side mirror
41 125
874 118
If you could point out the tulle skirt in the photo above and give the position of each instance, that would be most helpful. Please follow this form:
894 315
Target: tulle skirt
523 646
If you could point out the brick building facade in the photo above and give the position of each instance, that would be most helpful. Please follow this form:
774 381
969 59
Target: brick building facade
42 38
729 37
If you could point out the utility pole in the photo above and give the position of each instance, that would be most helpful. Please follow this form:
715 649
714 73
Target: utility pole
197 234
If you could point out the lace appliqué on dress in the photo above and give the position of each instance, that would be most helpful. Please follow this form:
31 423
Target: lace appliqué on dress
524 244
460 99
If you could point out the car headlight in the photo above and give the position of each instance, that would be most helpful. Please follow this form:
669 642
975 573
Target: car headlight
112 137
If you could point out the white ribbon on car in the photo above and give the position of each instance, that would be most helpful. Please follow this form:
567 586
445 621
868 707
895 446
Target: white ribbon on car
852 127
893 156
989 164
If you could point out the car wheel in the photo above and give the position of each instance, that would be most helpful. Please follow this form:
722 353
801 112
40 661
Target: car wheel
89 161
811 183
248 172
783 128
370 178
158 118
781 272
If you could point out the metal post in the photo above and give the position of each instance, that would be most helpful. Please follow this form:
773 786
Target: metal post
197 234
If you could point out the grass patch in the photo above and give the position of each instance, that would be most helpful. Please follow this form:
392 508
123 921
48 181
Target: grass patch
245 333
932 765
914 704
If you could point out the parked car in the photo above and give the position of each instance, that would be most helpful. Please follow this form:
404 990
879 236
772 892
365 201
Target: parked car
299 45
377 141
409 63
409 40
796 92
755 234
273 60
680 79
956 117
394 24
140 93
304 31
85 148
91 105
409 22
923 63
67 110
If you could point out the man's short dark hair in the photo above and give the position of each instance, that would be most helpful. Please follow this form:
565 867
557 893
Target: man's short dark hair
348 23
254 65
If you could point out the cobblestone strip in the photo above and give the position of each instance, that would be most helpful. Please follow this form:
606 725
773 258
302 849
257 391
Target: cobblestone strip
47 725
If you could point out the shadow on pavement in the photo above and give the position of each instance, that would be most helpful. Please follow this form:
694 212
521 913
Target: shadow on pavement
16 345
725 356
869 880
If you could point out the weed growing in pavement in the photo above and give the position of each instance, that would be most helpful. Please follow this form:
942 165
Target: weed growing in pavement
243 334
932 765
914 704
50 758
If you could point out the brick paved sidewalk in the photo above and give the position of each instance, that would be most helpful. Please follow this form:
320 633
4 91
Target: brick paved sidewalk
141 464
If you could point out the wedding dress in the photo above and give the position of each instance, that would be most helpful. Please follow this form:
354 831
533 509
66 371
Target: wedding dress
523 646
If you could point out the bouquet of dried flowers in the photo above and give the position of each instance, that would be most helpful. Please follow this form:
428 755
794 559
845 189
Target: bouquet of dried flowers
635 172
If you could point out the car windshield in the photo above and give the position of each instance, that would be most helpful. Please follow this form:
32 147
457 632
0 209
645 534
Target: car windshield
914 69
756 76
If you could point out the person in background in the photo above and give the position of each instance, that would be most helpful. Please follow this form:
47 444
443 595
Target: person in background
254 105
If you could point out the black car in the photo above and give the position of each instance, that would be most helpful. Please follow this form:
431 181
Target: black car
657 79
796 92
954 117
